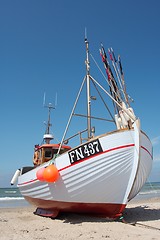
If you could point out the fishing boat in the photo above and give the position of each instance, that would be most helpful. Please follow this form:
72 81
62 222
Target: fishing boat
103 172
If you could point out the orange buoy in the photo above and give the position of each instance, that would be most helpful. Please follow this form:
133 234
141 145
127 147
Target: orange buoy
50 173
39 174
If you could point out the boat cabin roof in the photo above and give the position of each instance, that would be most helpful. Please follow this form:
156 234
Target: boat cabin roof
54 146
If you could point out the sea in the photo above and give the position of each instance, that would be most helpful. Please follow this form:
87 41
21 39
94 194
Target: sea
12 198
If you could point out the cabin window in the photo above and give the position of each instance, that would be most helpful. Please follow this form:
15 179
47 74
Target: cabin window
48 153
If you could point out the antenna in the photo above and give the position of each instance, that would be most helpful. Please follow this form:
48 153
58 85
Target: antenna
49 105
85 33
56 100
44 99
48 136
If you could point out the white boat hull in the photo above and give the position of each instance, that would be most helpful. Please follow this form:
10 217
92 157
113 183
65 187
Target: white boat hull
100 182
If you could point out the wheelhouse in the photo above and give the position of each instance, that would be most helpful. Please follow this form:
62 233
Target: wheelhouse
46 152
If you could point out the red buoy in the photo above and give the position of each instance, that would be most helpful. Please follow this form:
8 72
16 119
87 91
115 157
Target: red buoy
50 173
39 174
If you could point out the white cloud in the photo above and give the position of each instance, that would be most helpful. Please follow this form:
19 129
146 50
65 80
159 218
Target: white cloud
155 173
156 141
156 157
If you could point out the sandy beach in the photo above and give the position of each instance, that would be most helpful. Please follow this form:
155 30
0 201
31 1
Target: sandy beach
141 220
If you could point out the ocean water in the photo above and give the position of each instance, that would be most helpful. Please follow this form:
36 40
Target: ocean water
11 197
149 190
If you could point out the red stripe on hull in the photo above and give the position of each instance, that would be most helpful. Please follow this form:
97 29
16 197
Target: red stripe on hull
85 159
101 209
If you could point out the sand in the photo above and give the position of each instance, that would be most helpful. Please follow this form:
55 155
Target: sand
141 220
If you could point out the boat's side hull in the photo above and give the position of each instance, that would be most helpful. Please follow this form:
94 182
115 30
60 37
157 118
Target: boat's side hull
144 166
97 183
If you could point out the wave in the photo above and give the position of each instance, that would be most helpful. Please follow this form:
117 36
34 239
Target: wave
11 198
149 192
10 191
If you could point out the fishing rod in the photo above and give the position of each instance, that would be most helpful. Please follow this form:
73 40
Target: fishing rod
120 73
115 67
111 80
111 77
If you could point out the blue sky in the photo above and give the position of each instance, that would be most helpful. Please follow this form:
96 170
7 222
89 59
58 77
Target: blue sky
42 50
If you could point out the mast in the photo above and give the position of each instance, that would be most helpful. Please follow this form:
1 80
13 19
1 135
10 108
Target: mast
88 89
48 136
49 118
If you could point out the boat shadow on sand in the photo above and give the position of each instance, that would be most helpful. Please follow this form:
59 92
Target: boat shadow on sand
130 215
141 213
